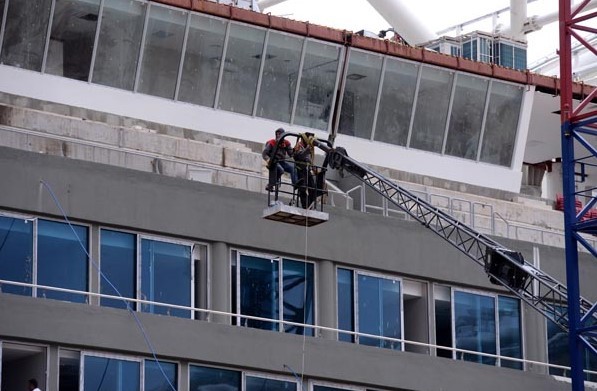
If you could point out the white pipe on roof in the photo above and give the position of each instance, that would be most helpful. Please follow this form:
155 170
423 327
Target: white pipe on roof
518 17
263 4
404 22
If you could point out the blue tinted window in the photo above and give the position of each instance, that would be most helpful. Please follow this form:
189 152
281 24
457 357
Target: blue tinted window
16 254
467 50
154 376
558 354
254 383
474 326
61 261
345 304
379 310
165 276
109 374
326 388
297 293
262 293
117 257
205 378
510 333
520 58
259 291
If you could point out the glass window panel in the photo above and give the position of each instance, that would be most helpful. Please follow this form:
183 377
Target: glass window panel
241 69
72 38
396 102
119 43
280 73
379 310
345 304
466 118
259 291
360 94
317 85
432 109
558 353
254 383
327 388
206 379
165 277
501 123
61 261
467 50
474 326
202 60
160 379
510 331
443 327
16 254
298 289
25 34
557 349
109 374
118 252
520 58
162 51
68 371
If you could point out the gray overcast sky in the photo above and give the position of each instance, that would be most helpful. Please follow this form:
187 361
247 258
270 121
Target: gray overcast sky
356 15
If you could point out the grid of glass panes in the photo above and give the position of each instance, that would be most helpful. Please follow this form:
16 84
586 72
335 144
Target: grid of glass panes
480 323
176 54
160 271
44 252
273 288
369 304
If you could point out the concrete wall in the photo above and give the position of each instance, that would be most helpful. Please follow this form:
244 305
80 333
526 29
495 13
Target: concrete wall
231 219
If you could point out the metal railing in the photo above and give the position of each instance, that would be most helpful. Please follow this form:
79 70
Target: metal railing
317 331
467 211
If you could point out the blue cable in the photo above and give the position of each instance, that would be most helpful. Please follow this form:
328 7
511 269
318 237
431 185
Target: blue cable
128 307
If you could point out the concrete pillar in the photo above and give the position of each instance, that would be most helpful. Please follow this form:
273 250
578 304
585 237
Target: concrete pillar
220 281
326 287
183 384
52 374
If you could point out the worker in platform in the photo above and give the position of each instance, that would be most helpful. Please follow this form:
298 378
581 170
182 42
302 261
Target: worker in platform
304 155
279 163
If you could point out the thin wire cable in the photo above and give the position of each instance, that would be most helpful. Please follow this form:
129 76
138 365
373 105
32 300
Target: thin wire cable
305 294
96 266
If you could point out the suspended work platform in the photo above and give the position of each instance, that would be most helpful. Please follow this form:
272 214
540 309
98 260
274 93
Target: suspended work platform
293 215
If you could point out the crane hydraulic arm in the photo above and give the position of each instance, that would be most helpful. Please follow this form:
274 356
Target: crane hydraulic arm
503 266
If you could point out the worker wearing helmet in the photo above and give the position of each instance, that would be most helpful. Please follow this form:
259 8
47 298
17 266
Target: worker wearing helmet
279 163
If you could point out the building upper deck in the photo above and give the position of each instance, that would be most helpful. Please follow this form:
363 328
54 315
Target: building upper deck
240 74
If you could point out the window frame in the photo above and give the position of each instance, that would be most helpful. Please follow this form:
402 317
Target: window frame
111 356
495 296
194 247
356 272
35 253
268 376
279 322
312 383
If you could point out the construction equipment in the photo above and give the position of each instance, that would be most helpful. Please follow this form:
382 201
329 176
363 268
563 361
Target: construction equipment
504 267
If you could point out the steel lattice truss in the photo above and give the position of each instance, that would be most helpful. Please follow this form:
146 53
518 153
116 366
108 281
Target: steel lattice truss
541 291
579 128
